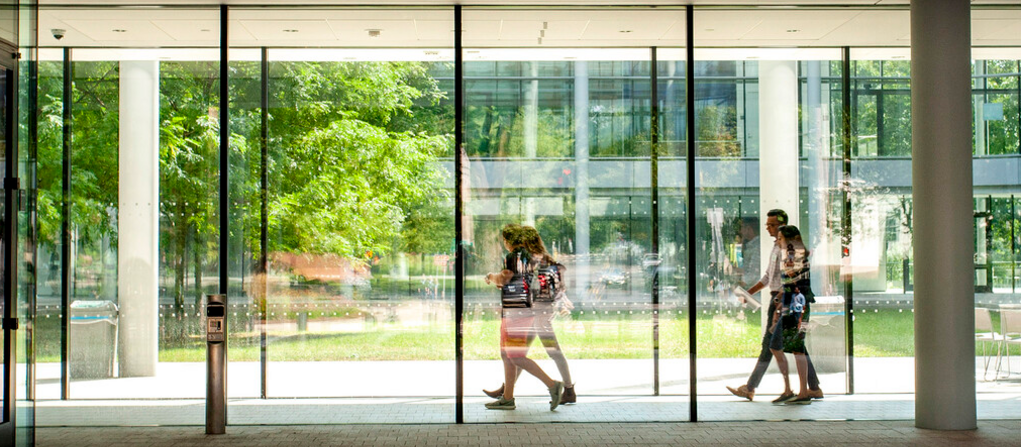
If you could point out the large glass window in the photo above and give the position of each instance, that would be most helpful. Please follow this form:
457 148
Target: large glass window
560 144
342 222
134 251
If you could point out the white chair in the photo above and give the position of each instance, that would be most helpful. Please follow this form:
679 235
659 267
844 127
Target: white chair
984 334
1010 324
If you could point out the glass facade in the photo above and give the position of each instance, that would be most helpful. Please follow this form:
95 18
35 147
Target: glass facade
354 195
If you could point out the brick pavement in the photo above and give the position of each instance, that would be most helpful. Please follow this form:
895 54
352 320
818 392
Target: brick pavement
876 433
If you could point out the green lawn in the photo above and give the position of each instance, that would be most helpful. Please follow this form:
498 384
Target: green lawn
886 333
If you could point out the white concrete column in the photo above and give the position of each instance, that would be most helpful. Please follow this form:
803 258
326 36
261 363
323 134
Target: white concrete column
581 186
530 110
138 218
778 144
942 190
820 239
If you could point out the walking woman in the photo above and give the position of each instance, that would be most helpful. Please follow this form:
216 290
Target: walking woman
552 289
792 314
518 322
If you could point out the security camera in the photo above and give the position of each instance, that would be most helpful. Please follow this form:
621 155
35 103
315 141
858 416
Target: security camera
58 33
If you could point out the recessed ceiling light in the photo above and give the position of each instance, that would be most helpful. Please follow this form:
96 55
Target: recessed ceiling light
793 31
118 30
290 30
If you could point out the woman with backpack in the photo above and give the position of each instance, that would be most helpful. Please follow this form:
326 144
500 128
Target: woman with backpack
792 313
517 322
550 295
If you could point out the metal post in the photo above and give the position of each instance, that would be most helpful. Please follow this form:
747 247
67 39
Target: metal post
690 215
66 263
216 364
654 175
263 267
459 155
33 221
845 219
224 151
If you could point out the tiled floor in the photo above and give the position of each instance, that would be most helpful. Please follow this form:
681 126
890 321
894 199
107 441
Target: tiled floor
997 433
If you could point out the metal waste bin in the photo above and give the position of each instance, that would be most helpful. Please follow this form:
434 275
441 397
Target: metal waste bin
827 336
93 338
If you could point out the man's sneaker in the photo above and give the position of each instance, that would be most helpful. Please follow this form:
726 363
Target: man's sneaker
815 394
556 392
569 397
807 400
501 404
784 398
495 394
742 391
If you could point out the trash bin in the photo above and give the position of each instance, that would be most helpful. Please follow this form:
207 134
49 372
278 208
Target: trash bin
827 336
93 339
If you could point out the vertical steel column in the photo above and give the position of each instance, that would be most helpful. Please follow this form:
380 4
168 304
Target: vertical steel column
654 175
66 266
263 267
458 218
690 214
12 199
224 150
33 219
845 219
224 238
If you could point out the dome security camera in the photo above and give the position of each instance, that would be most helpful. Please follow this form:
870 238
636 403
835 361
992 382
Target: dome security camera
58 33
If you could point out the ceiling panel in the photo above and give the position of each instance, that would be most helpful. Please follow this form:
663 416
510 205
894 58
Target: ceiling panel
289 29
190 29
872 28
119 31
361 31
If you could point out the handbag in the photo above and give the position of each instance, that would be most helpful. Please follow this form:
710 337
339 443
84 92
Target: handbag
518 292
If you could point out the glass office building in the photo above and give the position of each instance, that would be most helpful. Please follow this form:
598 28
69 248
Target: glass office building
344 173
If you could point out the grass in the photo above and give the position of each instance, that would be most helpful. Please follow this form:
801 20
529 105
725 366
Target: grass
886 333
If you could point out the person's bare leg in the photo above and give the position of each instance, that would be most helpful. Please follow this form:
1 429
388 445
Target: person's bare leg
802 362
781 362
553 351
510 372
533 368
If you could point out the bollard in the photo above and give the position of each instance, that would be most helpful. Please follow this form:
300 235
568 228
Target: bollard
216 364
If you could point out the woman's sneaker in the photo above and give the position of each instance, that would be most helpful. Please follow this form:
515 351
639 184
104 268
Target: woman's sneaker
568 397
807 400
784 398
556 392
501 404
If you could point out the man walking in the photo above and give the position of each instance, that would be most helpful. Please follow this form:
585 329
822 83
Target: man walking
771 278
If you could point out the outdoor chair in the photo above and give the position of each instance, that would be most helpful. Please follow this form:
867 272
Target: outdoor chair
985 335
1010 324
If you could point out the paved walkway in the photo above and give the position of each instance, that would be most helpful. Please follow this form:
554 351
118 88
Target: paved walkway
827 434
